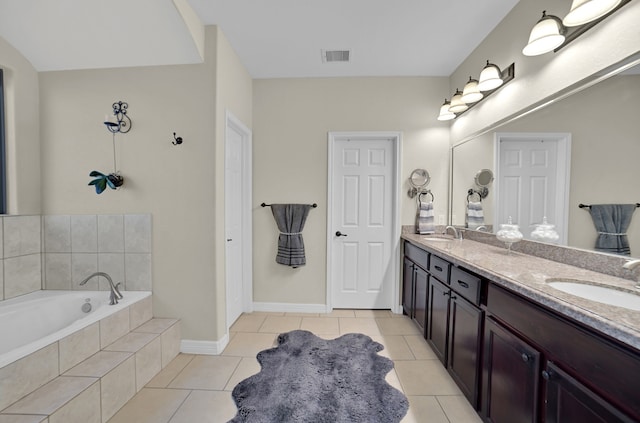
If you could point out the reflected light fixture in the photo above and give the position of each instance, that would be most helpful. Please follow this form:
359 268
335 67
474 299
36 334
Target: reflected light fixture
583 11
490 77
546 35
471 93
445 114
457 105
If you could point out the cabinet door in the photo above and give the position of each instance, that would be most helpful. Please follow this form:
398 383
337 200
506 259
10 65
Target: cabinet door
510 377
438 318
465 332
568 400
407 287
420 279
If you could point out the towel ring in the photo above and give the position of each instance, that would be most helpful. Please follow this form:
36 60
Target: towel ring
473 192
423 193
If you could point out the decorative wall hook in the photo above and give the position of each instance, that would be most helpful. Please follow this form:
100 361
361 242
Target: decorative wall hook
177 141
120 122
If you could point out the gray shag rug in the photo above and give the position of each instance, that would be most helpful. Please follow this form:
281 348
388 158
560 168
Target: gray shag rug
309 379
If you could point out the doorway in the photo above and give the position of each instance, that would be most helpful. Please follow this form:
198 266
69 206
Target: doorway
237 186
532 180
363 224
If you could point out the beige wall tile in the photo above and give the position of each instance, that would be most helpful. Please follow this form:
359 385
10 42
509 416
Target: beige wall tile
27 374
22 275
140 312
148 363
99 364
83 408
117 387
132 342
170 344
52 396
113 327
79 346
156 325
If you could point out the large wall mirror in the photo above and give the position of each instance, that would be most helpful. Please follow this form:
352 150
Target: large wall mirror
602 116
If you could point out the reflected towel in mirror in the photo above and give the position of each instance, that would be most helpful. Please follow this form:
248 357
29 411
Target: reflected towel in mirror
611 222
474 216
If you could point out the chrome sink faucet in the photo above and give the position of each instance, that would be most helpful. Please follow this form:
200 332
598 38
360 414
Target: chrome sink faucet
115 293
456 235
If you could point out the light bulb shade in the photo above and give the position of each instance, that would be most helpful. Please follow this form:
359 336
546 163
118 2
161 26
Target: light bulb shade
457 105
545 36
471 93
583 11
490 77
445 114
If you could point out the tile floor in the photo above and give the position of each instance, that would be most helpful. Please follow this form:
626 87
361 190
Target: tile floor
197 388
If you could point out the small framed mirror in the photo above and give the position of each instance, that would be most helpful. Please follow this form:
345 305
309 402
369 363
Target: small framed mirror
484 177
419 178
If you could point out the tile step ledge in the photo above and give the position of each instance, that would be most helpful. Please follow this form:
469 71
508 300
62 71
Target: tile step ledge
105 381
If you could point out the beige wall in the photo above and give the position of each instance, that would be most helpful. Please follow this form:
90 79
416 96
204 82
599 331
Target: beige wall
173 183
537 77
291 120
22 132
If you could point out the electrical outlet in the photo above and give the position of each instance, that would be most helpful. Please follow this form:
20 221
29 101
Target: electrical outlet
441 219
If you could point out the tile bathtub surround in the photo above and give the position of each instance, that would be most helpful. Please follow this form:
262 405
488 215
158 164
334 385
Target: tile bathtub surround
77 245
21 258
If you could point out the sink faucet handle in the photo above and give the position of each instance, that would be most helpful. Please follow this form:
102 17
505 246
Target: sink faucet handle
117 291
631 264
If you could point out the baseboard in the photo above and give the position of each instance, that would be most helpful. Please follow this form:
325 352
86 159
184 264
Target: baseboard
190 346
290 308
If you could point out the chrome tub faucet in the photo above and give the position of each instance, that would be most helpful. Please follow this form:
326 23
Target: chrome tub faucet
115 293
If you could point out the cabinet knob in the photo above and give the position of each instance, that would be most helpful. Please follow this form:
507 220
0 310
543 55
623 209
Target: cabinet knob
525 357
546 375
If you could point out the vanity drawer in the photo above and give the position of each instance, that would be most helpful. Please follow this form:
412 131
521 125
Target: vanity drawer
439 268
416 255
466 284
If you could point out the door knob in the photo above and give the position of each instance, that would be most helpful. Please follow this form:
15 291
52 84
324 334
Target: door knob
338 233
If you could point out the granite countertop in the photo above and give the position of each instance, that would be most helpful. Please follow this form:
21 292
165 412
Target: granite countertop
527 275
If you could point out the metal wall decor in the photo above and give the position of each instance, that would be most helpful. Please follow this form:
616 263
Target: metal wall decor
119 123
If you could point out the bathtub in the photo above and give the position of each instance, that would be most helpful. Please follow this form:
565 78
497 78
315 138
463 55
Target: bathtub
33 321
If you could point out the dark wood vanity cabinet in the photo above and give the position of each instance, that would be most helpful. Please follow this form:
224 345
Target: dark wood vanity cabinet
414 283
542 367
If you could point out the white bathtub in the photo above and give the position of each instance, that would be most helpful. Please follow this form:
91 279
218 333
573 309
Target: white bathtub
33 321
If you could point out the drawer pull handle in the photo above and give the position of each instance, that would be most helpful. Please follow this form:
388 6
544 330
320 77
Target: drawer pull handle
438 268
546 375
463 284
525 357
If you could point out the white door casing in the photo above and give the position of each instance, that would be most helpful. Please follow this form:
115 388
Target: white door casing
238 256
532 180
363 204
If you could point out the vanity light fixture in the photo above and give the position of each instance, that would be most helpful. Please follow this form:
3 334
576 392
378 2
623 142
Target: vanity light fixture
120 122
583 11
445 114
457 105
475 91
490 77
551 34
546 35
471 92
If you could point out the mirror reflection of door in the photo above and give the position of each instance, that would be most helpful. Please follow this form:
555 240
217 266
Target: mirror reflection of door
533 180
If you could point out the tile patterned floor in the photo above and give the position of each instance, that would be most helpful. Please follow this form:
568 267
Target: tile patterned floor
197 388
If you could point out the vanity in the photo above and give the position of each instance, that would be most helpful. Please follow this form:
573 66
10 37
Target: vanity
519 349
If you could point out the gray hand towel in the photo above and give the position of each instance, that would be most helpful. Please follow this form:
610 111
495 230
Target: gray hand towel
290 219
611 222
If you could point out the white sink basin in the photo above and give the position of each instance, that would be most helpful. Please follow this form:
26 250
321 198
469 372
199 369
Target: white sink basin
437 238
599 293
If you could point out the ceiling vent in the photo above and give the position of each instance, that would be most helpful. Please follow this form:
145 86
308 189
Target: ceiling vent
336 56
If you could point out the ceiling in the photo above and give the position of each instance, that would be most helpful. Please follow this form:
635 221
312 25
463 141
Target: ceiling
274 39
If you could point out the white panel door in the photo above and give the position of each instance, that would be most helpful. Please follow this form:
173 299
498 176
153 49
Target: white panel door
362 223
233 222
528 182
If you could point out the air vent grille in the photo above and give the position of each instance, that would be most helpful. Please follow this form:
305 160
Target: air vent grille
332 56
